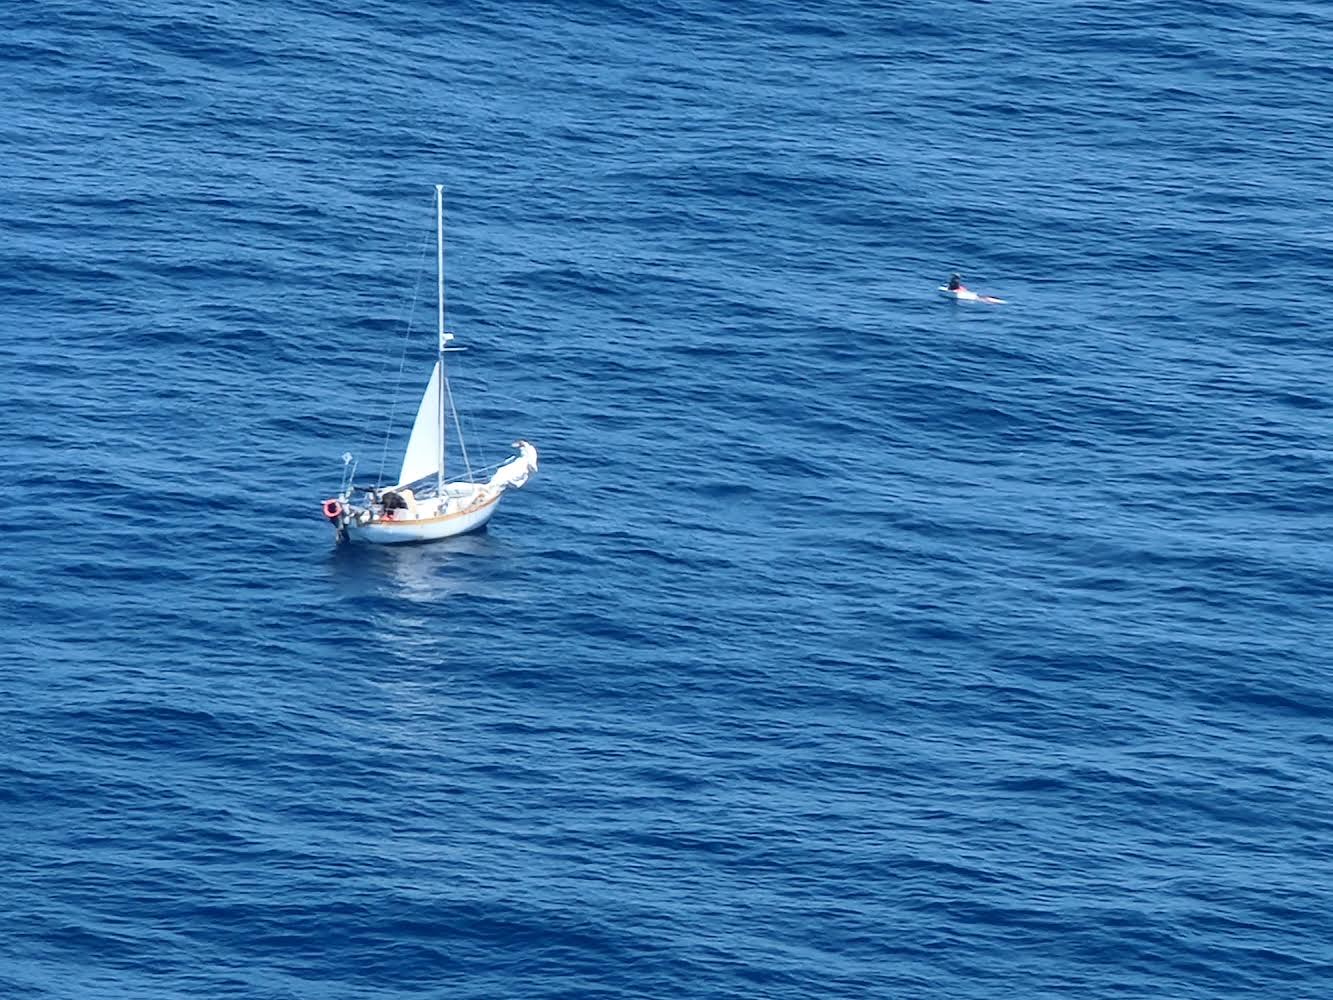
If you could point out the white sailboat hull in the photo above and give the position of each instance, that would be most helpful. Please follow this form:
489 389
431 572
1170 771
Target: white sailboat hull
463 507
416 528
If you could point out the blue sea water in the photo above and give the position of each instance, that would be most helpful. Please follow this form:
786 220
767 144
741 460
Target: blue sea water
849 643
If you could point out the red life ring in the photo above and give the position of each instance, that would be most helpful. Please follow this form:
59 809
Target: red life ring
332 509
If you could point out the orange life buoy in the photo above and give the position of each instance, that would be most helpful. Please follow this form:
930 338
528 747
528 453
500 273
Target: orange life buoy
332 509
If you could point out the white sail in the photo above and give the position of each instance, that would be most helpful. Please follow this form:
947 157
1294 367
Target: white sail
422 457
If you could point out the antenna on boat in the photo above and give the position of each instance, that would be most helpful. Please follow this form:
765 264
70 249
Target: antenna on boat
349 473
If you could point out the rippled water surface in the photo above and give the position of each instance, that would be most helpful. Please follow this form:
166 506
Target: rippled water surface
850 642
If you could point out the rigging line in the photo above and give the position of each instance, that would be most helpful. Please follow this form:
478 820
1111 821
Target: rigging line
462 444
458 425
488 468
402 362
481 451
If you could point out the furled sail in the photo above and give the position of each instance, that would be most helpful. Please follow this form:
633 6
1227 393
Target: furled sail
516 471
422 457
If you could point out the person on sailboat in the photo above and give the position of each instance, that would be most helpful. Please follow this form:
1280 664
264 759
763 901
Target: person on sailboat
392 504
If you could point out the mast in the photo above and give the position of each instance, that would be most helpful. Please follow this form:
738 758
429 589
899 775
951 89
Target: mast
439 273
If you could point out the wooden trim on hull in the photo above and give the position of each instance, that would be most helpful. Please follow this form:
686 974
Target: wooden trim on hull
442 517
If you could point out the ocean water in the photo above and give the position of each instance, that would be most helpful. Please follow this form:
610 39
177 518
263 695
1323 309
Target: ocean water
850 642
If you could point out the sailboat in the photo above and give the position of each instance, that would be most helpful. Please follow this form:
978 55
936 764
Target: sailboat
425 504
